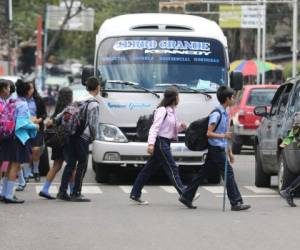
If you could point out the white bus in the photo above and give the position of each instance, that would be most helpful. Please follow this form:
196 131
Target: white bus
140 55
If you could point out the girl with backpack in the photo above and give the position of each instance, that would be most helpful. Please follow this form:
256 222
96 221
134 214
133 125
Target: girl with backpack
17 149
38 113
165 128
4 94
65 98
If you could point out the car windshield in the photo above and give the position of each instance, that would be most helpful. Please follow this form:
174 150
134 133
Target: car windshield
156 62
261 97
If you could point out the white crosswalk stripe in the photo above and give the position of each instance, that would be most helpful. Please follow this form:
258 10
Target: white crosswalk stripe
169 189
91 190
214 189
127 189
261 190
53 189
255 196
217 191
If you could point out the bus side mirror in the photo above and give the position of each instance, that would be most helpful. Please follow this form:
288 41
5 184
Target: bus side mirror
236 80
87 72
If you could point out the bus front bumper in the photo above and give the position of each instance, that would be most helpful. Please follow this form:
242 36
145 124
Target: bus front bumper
136 153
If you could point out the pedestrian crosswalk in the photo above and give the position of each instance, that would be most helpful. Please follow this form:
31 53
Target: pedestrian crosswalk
217 191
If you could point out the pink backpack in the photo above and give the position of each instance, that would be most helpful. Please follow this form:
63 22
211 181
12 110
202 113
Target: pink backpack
7 119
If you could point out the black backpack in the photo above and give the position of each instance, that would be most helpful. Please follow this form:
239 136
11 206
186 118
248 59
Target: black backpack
196 134
55 136
143 126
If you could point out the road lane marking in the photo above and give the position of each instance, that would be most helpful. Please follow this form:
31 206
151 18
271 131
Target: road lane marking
214 189
127 189
169 189
91 190
255 196
258 190
53 189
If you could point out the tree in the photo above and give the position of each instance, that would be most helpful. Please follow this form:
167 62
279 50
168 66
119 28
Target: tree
69 15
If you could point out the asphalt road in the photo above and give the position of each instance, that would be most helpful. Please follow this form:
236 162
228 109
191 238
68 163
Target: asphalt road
111 221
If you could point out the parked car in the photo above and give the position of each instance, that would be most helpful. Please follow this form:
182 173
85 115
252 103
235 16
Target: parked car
243 121
11 78
270 158
58 81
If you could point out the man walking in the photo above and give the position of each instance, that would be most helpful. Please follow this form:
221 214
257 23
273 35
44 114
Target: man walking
217 155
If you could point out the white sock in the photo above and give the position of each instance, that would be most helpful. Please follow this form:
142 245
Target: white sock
36 167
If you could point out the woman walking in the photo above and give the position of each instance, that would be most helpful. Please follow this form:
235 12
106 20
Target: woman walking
165 128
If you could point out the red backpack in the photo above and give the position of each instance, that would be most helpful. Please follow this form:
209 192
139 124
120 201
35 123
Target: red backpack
7 119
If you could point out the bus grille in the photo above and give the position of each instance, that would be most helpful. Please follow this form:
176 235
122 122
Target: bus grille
131 135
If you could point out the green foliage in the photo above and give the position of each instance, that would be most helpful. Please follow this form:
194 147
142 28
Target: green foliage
74 44
288 69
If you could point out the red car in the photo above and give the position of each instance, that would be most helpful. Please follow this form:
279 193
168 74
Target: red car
243 121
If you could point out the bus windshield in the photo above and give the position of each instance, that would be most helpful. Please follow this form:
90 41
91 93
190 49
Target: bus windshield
157 62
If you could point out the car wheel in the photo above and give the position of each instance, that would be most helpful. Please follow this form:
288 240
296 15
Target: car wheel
102 172
236 148
285 176
261 178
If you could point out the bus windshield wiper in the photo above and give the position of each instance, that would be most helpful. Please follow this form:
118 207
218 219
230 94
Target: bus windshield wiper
180 86
134 85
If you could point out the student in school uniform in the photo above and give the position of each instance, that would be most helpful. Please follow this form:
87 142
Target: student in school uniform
164 129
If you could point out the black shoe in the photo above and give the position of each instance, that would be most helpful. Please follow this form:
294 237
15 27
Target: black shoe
239 207
14 200
79 198
46 195
1 198
26 179
36 177
288 196
63 196
187 203
138 200
20 188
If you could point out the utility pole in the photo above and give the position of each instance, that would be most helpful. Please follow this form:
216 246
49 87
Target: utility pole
264 34
295 34
258 53
8 15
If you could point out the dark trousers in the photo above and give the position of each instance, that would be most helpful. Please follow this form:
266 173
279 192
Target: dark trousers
294 185
161 157
216 156
76 151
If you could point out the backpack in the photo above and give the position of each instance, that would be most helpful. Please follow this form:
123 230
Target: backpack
74 117
196 134
143 126
7 119
55 136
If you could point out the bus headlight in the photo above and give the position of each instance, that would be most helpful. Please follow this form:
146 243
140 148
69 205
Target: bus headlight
111 133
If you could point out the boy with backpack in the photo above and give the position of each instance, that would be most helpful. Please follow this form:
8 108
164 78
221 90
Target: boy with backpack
217 133
81 121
